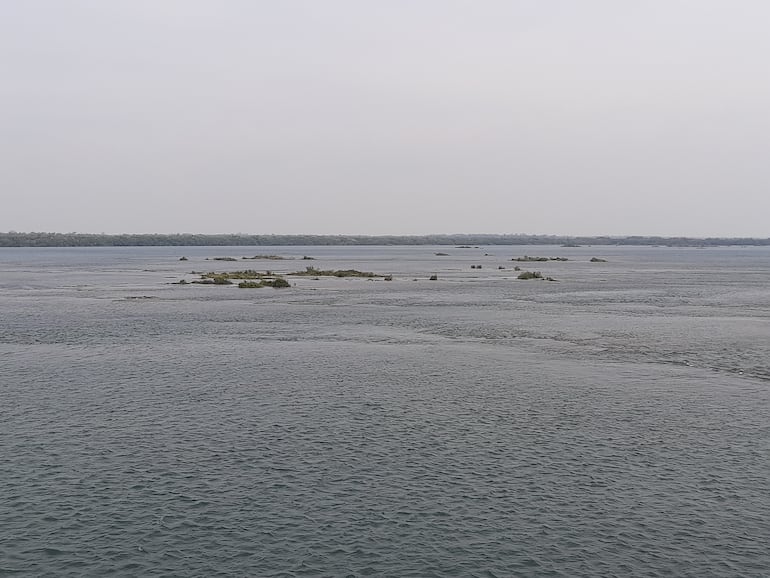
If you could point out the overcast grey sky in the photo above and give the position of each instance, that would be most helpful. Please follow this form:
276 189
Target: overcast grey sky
577 117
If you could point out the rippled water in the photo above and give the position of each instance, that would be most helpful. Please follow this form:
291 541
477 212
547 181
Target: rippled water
613 423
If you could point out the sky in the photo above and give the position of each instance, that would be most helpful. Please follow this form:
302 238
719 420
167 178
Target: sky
387 117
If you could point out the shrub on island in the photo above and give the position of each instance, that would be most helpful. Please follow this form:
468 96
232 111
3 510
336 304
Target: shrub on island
530 275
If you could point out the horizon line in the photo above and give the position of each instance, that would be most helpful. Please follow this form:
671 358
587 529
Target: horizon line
387 235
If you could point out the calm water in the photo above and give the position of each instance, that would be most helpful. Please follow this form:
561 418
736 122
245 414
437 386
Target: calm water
615 422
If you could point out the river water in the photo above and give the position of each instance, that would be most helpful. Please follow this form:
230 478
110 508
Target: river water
613 422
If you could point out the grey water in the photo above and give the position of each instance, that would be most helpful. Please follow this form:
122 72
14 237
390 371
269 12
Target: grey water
613 422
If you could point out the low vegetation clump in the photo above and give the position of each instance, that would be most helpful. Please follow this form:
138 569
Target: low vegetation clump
433 278
352 273
530 275
277 283
442 254
183 258
313 272
306 258
222 259
266 257
598 260
218 280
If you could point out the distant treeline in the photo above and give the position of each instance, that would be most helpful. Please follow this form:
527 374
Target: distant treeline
13 239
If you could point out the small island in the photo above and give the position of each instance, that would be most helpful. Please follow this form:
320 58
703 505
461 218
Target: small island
249 279
527 258
313 272
266 257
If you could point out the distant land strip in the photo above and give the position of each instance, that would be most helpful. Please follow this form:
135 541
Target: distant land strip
14 239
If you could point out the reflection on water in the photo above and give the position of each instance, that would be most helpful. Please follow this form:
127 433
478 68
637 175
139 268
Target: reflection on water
614 422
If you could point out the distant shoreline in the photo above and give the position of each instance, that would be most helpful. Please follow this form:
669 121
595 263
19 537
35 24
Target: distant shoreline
12 239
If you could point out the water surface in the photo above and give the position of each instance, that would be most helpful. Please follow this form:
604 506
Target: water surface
615 421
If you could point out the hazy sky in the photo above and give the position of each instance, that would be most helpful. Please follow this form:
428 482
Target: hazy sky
592 117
